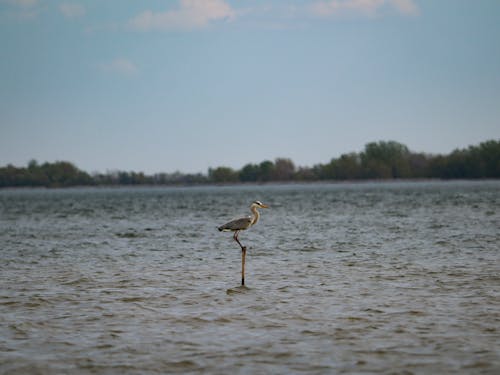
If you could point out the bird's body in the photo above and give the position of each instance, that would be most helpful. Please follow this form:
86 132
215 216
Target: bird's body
237 224
244 222
240 224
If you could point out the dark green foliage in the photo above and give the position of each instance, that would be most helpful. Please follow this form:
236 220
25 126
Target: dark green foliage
284 170
249 173
222 174
379 160
266 169
58 174
481 161
386 160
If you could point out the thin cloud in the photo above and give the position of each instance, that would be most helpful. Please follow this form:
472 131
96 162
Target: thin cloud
21 10
191 14
406 6
72 10
365 7
120 66
22 3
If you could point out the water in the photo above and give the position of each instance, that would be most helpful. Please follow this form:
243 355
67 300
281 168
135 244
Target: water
343 278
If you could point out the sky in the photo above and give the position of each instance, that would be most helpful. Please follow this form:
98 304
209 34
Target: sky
185 85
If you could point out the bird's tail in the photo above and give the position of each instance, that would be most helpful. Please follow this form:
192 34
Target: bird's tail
220 228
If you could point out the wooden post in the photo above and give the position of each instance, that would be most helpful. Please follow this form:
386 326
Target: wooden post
243 254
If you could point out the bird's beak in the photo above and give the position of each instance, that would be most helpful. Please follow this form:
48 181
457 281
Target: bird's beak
264 205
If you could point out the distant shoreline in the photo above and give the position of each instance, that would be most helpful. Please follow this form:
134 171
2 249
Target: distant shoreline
379 161
256 184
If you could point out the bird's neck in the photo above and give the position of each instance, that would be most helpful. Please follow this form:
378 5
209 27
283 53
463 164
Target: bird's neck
255 213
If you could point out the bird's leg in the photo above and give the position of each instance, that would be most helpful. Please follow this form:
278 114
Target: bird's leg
237 240
243 253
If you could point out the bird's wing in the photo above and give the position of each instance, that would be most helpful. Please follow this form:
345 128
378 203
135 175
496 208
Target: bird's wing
237 224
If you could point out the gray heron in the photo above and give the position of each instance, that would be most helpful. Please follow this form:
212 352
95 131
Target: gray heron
240 224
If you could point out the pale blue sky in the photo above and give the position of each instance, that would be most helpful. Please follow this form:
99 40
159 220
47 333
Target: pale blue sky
160 86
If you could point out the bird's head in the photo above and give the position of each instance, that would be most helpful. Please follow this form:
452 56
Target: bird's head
260 204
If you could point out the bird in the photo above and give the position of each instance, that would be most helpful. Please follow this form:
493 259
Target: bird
240 224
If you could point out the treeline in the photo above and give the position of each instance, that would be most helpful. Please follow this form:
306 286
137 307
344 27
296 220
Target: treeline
378 160
65 174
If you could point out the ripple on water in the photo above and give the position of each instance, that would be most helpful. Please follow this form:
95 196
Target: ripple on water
355 278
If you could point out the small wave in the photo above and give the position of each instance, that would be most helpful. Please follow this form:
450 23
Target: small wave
310 249
129 235
79 280
181 365
370 310
238 290
132 299
18 331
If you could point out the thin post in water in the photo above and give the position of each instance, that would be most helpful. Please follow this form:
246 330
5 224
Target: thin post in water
243 254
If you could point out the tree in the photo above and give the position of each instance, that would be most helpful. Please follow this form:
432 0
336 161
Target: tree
347 167
32 165
222 174
305 174
386 160
249 173
419 165
284 170
63 174
266 169
489 153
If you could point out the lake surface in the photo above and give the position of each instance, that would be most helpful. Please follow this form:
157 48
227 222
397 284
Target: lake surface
399 277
